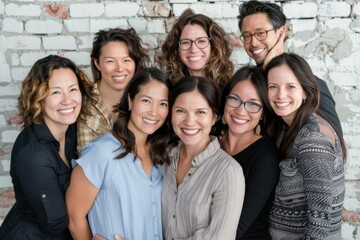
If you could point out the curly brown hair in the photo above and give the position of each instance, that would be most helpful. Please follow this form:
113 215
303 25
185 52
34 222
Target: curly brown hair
128 36
219 68
35 88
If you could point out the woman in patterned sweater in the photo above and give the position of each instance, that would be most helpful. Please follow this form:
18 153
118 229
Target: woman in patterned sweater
310 193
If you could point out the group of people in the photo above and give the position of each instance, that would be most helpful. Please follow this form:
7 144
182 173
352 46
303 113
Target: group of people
189 150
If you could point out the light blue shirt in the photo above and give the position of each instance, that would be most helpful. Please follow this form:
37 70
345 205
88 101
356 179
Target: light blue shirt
129 201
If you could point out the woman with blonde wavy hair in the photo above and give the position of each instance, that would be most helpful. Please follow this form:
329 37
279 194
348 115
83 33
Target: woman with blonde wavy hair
54 95
197 46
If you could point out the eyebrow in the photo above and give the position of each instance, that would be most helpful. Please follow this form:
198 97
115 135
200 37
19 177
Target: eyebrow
164 99
60 87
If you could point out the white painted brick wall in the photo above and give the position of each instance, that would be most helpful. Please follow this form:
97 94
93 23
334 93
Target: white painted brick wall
29 10
23 42
59 42
122 9
300 10
326 32
43 27
97 24
86 10
12 25
77 25
334 9
5 76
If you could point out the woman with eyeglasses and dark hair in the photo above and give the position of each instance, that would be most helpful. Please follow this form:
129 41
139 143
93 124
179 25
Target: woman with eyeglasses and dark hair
197 46
245 114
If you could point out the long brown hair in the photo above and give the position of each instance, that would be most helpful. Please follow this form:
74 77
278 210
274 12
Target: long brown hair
306 78
219 69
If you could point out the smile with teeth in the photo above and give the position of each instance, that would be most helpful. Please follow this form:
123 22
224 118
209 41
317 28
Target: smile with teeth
190 131
149 121
240 121
119 78
282 104
67 110
258 51
195 59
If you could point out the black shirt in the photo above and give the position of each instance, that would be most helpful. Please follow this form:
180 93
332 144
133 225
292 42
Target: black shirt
40 179
259 162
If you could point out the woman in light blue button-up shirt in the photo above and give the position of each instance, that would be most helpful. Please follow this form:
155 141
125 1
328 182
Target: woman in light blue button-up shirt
118 180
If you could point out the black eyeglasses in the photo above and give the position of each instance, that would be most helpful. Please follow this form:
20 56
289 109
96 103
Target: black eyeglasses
201 42
259 35
250 107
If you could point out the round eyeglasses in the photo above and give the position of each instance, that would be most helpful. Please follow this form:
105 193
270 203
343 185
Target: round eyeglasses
201 42
259 35
250 107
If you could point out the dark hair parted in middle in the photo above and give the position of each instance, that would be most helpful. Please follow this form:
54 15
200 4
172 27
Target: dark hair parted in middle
128 36
160 138
203 85
257 77
219 68
307 80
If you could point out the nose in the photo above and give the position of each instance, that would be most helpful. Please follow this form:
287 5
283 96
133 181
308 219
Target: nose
119 67
193 47
153 109
240 109
281 93
189 119
66 98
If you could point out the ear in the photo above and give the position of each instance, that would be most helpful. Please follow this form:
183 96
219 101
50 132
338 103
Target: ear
96 64
282 29
129 102
215 119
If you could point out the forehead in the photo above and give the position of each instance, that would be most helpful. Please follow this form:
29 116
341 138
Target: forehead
257 21
193 31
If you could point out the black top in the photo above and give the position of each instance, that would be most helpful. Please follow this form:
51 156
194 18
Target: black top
260 163
327 104
40 178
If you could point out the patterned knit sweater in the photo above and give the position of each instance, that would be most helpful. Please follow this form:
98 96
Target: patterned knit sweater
310 193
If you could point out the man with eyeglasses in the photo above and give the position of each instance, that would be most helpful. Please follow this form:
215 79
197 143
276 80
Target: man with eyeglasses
263 29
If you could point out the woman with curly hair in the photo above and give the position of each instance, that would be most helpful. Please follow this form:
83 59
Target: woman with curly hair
54 95
197 46
116 55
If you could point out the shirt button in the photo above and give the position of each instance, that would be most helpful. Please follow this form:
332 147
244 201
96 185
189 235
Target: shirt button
155 218
189 174
173 216
43 196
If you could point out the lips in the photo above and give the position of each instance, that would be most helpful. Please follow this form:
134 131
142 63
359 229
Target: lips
258 51
190 132
195 59
238 120
67 110
119 78
282 104
149 121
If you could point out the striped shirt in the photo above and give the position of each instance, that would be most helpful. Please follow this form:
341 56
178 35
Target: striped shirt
310 193
95 125
208 203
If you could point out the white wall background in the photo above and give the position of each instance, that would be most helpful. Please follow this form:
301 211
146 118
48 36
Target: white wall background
325 32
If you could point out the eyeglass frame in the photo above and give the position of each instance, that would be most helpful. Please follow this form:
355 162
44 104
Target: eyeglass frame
241 103
254 35
194 41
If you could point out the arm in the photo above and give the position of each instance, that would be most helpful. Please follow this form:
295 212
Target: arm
42 185
80 197
226 206
327 104
260 183
316 164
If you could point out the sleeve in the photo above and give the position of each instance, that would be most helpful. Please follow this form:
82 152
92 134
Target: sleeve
327 104
260 183
84 135
316 164
95 160
226 206
39 178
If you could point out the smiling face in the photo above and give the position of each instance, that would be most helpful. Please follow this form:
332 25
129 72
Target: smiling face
149 109
61 107
192 119
240 121
194 58
256 49
116 66
286 95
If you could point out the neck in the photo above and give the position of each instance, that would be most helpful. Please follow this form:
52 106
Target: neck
235 143
189 151
109 95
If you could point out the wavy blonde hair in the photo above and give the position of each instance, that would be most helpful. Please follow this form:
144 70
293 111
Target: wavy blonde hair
35 88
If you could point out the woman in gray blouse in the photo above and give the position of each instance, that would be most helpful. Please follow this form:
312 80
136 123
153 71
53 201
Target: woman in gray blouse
203 187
